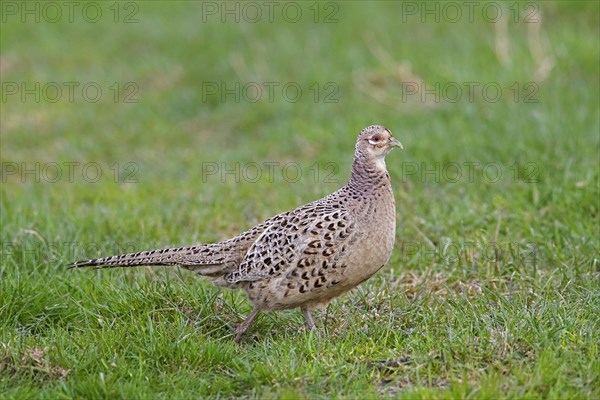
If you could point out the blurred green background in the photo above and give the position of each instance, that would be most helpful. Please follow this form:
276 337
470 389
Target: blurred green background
510 86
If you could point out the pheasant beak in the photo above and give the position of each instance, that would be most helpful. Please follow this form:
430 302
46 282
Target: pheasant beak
395 143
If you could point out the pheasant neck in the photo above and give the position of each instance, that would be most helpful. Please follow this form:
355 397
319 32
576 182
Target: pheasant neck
369 174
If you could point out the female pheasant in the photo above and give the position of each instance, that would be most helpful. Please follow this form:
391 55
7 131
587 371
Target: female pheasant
305 257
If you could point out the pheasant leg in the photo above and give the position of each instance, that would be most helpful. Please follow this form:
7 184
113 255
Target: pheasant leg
310 324
244 325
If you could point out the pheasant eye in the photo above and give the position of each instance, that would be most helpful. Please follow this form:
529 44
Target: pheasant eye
375 139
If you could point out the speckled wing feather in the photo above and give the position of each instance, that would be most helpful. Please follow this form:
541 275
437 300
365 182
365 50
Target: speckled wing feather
313 235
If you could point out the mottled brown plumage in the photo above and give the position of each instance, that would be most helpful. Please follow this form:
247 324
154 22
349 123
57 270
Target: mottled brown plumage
304 257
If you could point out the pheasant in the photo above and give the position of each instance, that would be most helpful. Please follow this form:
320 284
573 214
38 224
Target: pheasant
301 258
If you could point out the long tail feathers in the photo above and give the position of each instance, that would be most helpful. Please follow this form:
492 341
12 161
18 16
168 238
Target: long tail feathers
206 259
212 260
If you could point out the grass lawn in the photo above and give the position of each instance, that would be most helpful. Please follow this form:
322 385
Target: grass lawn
137 125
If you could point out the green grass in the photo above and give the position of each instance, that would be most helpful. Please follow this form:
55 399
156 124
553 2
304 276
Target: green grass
493 289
